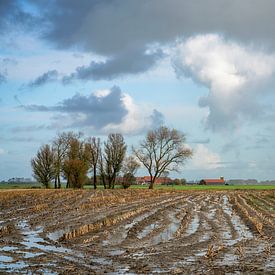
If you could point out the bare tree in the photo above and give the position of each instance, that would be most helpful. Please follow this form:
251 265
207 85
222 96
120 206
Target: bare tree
114 153
129 169
75 166
163 150
101 166
61 146
93 150
43 165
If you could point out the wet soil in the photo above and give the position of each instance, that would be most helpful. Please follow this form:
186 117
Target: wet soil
137 232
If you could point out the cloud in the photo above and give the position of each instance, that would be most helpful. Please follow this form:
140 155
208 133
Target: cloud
138 120
2 151
124 31
205 159
102 29
43 79
103 111
93 110
237 77
119 65
13 16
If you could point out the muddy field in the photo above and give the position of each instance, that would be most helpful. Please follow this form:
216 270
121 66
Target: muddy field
137 232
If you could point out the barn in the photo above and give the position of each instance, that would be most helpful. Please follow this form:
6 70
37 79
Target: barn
219 181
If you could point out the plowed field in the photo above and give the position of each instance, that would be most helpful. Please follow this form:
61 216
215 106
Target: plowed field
137 232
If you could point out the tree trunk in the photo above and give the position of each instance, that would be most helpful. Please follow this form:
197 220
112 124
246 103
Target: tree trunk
109 182
58 182
151 186
55 183
94 176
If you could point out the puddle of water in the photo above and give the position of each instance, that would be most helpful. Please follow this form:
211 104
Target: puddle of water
28 255
169 232
202 253
161 270
33 240
120 271
120 234
101 261
116 252
228 259
5 259
8 248
22 224
189 260
205 236
147 230
10 267
270 263
54 236
211 213
242 230
193 226
139 255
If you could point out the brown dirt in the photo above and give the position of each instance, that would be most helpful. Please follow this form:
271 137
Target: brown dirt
137 232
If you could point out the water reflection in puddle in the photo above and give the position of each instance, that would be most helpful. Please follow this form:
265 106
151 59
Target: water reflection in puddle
116 252
193 226
33 246
54 236
242 230
5 259
169 232
147 230
120 233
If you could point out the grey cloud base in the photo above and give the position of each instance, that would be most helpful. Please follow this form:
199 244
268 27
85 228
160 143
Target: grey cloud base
97 111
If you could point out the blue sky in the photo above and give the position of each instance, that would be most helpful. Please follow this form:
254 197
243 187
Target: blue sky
204 67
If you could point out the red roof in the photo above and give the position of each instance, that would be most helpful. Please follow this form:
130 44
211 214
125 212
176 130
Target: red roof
213 180
147 179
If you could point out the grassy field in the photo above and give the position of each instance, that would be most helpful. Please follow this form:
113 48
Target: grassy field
33 185
209 187
219 187
26 185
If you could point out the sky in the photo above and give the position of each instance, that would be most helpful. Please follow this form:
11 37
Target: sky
204 67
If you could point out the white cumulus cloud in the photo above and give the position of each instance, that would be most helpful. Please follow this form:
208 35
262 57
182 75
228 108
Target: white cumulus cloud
237 77
205 159
138 119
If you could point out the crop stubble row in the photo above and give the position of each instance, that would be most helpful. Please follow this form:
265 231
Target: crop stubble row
143 231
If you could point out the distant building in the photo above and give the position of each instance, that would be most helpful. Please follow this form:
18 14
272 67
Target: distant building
147 180
242 182
219 181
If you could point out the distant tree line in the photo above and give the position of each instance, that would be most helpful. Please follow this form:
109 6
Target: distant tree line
72 157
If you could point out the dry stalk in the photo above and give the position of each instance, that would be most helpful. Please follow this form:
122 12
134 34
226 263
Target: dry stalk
212 252
267 250
240 251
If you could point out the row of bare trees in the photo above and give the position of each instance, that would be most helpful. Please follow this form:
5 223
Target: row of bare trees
72 157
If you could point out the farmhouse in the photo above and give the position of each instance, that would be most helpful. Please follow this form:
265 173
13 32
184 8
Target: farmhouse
146 180
219 181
